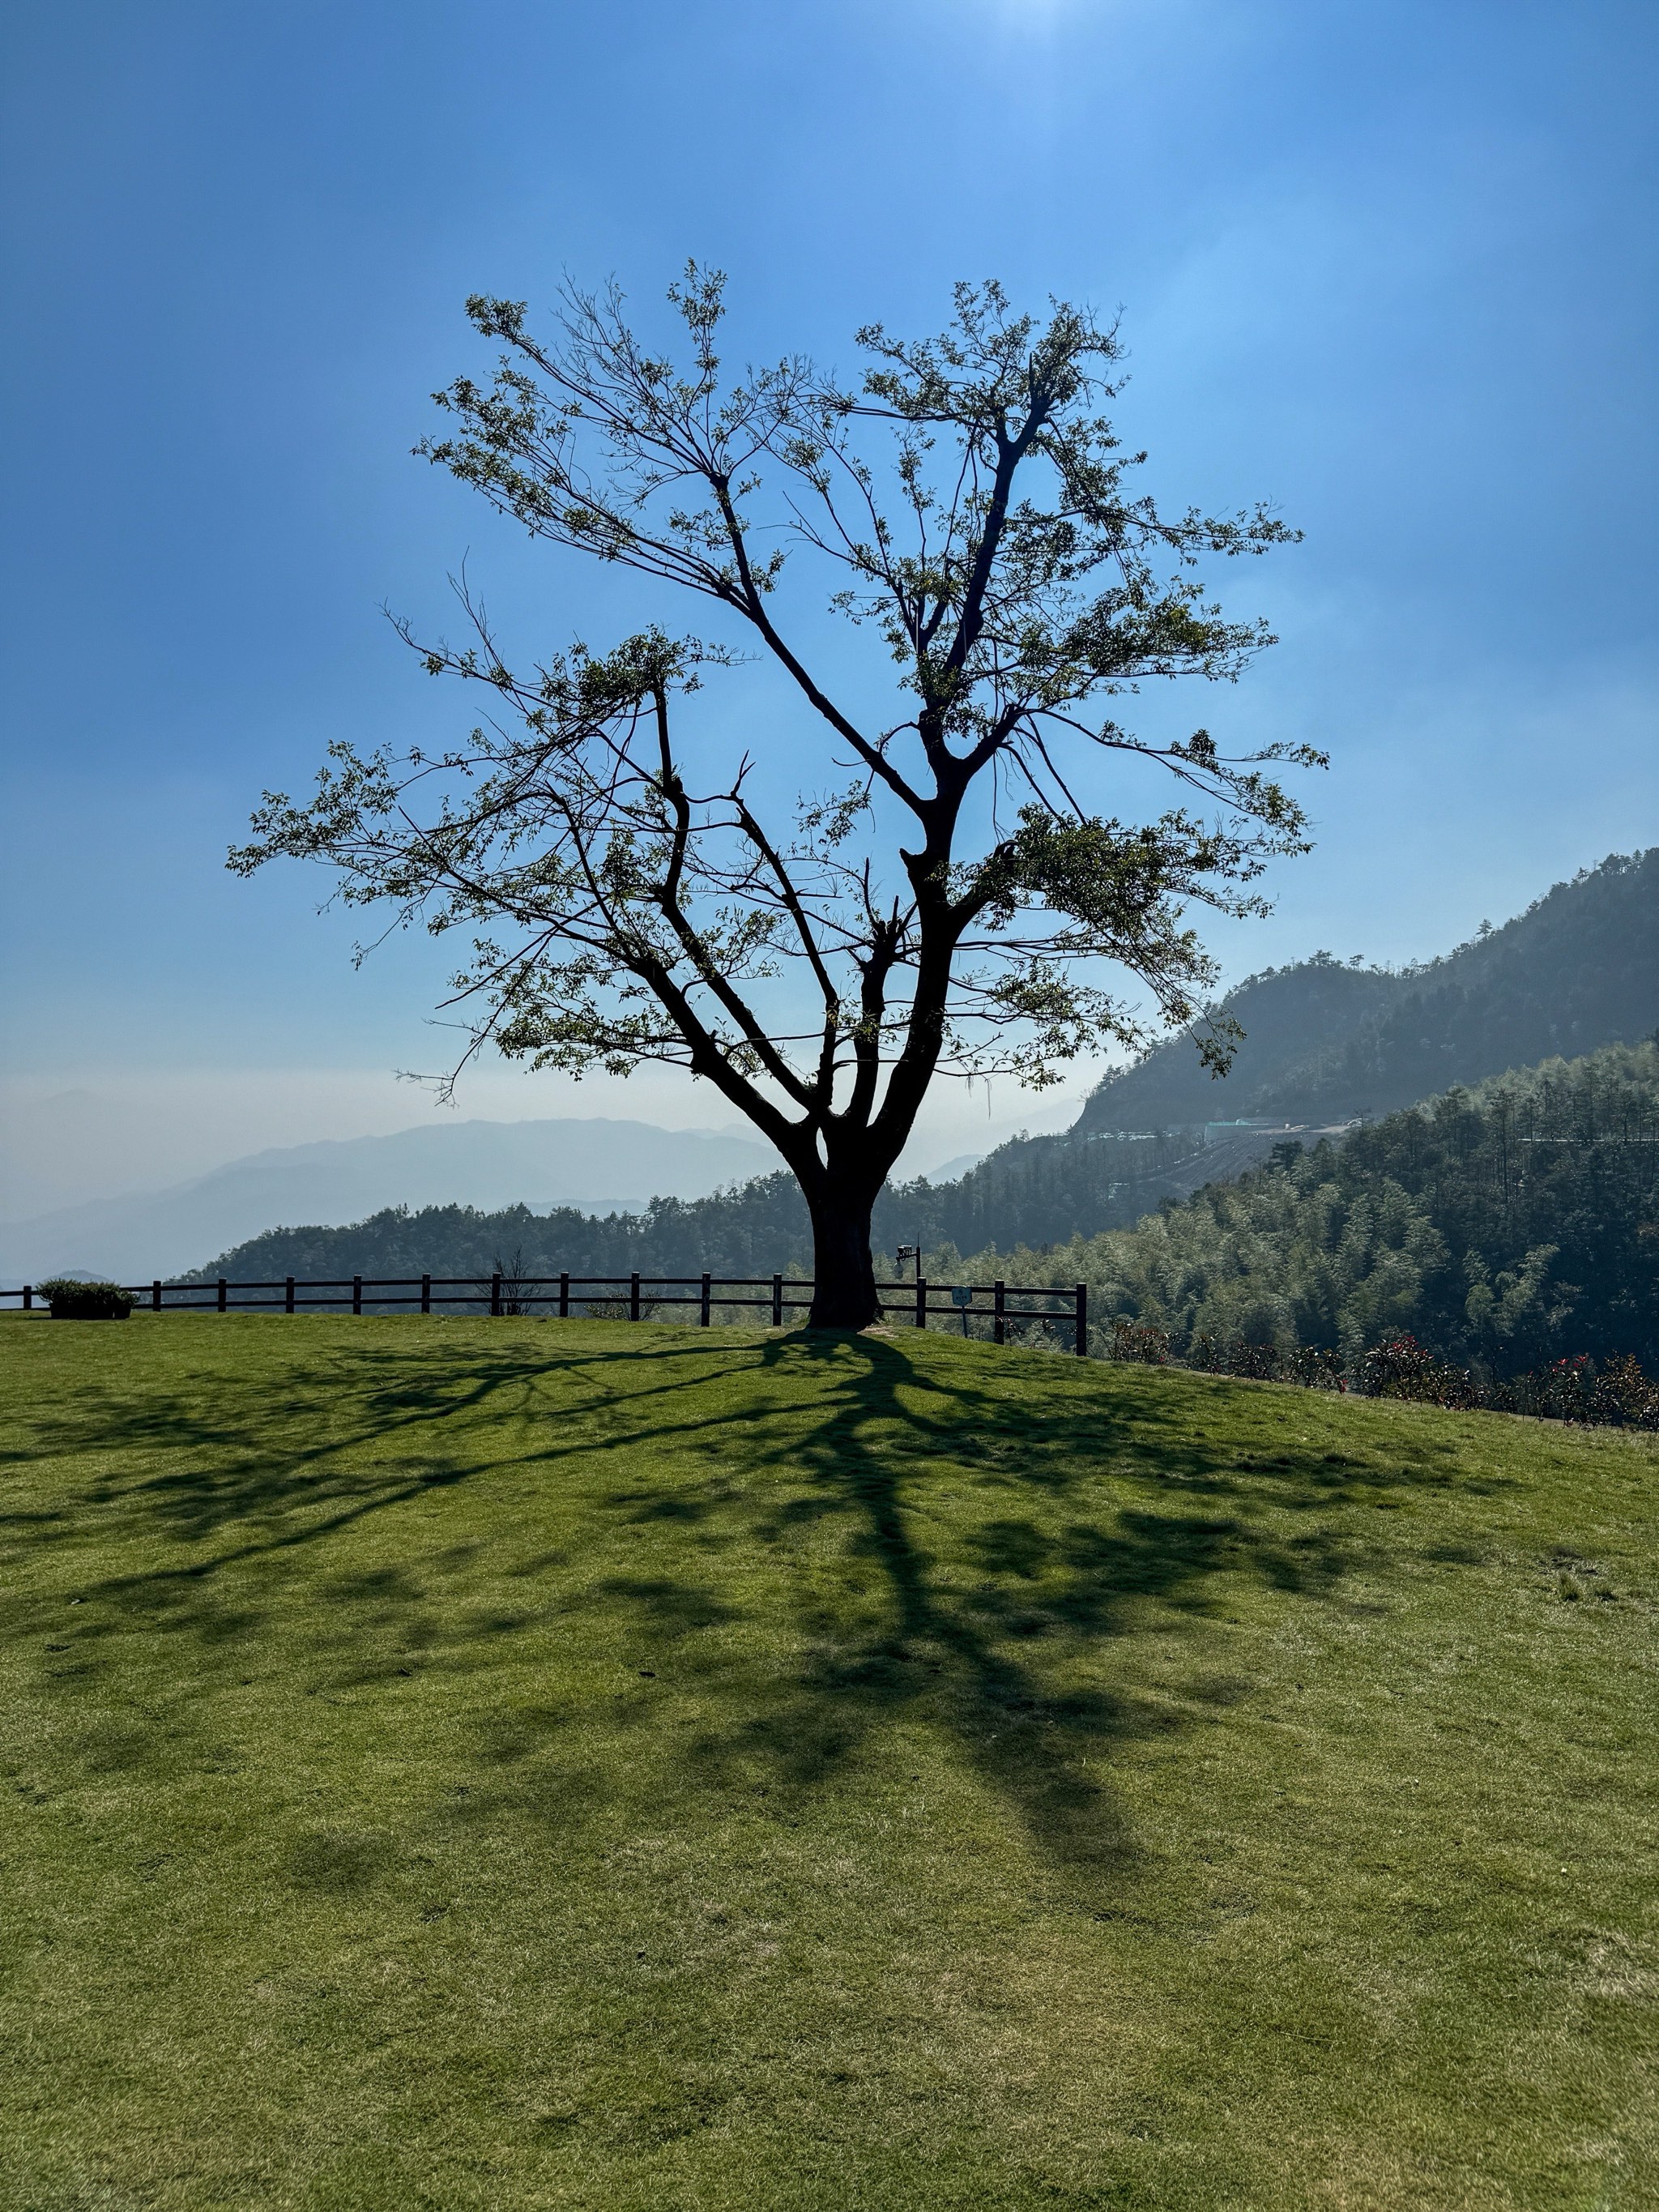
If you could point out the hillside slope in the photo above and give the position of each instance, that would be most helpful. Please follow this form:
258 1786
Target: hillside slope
1323 1043
519 1766
1031 1190
1505 1227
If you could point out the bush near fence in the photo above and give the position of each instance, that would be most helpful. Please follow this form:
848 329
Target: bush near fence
71 1299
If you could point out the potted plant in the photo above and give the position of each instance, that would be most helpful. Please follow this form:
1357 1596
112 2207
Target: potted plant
74 1301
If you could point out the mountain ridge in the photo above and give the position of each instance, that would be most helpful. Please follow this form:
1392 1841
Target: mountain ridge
592 1163
1327 1041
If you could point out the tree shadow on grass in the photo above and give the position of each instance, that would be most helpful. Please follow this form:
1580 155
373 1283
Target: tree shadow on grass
1093 1497
997 1656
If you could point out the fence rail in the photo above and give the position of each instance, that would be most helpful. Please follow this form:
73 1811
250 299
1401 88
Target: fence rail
918 1301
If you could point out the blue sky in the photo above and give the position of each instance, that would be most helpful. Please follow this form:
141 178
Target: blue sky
1390 265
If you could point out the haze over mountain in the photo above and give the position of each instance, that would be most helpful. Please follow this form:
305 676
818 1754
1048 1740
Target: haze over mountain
596 1164
1324 1043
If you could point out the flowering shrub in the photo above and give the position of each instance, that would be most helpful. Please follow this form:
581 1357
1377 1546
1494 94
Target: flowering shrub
1315 1367
1403 1368
1138 1341
1312 1365
1616 1394
1624 1395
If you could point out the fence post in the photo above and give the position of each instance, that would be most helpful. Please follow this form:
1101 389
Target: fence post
777 1301
1080 1308
356 1294
223 1286
922 1301
288 1294
495 1295
155 1298
633 1298
998 1306
28 1297
703 1314
564 1296
426 1294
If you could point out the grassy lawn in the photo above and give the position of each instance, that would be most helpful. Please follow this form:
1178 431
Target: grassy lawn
470 1764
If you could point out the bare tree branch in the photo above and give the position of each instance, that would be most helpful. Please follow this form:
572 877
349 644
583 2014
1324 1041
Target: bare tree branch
1018 583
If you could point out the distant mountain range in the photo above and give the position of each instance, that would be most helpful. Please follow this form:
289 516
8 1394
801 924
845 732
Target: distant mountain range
1325 1042
598 1166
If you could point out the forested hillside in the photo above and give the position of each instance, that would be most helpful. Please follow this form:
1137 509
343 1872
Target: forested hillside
1324 1042
1506 1226
1034 1191
747 1232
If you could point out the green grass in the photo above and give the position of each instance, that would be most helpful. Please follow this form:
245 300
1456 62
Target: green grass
470 1764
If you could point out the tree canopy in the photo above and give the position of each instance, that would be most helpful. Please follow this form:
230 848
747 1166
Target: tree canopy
946 892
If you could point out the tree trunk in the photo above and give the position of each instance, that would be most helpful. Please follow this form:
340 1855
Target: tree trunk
844 1284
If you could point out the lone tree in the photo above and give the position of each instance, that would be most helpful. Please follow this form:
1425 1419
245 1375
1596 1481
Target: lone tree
942 897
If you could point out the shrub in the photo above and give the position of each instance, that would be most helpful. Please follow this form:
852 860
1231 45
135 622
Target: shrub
514 1283
1140 1343
1314 1366
1624 1396
1317 1367
73 1301
1617 1393
1402 1368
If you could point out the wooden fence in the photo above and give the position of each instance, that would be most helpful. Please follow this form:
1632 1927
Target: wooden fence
1002 1303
